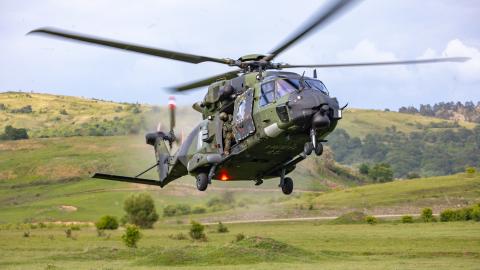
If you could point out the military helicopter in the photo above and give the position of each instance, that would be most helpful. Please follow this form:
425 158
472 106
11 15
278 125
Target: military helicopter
258 121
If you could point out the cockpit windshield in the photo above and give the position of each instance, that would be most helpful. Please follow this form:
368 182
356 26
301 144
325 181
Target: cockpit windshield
273 90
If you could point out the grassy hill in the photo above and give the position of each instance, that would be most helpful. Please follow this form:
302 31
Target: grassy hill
56 115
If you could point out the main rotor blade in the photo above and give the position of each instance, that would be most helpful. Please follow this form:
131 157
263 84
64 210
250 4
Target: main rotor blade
318 19
192 85
404 62
185 57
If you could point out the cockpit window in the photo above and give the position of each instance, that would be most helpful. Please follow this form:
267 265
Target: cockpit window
268 90
318 85
284 87
276 89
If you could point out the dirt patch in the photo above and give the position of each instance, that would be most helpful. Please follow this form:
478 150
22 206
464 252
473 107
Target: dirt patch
68 208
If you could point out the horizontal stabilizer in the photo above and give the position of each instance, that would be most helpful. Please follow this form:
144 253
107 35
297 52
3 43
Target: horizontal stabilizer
122 178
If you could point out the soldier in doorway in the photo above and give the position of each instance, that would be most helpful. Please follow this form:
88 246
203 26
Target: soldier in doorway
227 132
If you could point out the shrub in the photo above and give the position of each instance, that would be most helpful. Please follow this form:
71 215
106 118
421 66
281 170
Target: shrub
25 109
176 210
239 237
68 233
75 227
63 112
178 236
131 236
107 223
221 228
476 213
26 234
140 210
11 133
470 170
427 215
448 215
199 210
407 219
413 175
196 231
371 220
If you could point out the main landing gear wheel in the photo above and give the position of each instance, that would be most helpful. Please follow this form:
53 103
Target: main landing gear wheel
319 149
202 181
287 186
308 148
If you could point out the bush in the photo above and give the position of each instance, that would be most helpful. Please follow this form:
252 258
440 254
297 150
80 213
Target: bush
25 109
476 213
196 231
427 215
26 234
239 237
371 220
407 219
131 236
75 227
449 215
178 236
11 133
176 210
68 233
470 170
413 175
140 210
199 210
221 228
107 223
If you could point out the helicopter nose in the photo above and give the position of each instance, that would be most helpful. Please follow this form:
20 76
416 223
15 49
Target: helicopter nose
311 108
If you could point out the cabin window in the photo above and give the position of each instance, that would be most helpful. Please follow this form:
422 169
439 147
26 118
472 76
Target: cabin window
268 93
317 85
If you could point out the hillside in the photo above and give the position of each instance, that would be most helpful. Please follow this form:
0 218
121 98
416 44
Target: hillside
57 116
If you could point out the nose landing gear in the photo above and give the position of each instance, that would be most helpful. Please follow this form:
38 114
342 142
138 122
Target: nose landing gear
313 145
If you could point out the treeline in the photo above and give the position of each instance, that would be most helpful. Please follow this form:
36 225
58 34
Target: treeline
425 153
447 110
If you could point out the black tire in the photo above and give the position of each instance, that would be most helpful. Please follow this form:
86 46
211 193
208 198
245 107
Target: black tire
319 149
287 187
202 181
308 148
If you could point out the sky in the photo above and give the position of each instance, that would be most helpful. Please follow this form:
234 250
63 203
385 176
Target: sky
373 30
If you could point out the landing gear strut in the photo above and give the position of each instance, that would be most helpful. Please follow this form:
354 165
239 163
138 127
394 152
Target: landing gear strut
313 144
286 183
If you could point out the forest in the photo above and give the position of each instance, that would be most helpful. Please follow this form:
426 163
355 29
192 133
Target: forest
431 152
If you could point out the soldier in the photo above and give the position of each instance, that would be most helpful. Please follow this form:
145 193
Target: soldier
227 132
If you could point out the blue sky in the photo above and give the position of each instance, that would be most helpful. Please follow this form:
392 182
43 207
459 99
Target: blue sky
374 30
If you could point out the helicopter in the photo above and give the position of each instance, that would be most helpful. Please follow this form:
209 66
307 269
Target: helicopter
258 120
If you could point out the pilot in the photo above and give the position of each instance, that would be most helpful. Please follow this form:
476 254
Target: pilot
227 132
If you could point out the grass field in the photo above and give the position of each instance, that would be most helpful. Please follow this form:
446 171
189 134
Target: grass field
288 245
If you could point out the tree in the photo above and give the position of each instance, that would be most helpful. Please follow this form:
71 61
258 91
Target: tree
364 168
381 172
140 210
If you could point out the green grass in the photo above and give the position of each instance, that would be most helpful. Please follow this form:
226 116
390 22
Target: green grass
297 245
